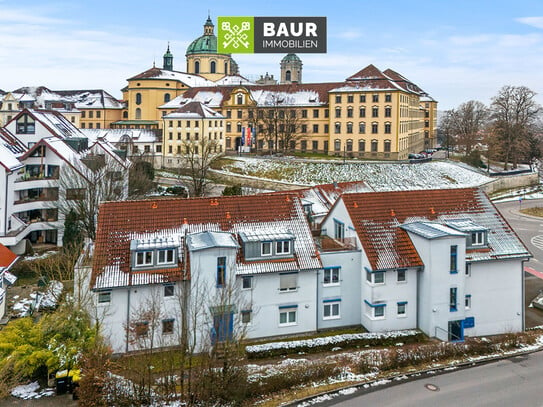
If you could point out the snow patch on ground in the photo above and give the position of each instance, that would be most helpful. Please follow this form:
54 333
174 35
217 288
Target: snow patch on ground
31 391
379 176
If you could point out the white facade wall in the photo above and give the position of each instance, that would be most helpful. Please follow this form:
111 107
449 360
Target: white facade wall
390 293
266 300
496 297
435 282
127 307
348 290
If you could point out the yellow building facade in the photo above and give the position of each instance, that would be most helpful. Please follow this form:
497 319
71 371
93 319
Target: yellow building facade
372 114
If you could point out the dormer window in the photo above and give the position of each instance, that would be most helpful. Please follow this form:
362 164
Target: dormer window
166 256
25 125
262 244
144 258
282 247
478 238
153 253
266 249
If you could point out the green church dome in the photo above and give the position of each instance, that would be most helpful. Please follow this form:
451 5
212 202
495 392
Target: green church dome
206 44
291 58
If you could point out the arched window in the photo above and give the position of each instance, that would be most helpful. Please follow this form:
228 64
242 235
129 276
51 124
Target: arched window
138 98
213 67
374 146
166 97
361 145
288 76
337 144
138 113
349 145
350 127
125 115
197 67
240 99
387 146
226 68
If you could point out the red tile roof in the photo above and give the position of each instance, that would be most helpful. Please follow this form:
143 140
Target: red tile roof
120 222
377 216
7 257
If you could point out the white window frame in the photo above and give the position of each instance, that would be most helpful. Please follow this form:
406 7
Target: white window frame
330 272
467 301
289 313
266 249
168 286
164 253
144 263
404 271
404 307
243 314
282 247
244 279
288 277
371 308
339 230
479 238
331 306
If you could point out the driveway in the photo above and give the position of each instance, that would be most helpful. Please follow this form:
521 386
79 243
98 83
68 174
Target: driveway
530 231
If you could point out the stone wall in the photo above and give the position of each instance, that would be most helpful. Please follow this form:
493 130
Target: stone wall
510 182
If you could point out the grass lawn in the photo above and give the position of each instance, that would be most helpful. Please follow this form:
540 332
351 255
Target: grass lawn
535 211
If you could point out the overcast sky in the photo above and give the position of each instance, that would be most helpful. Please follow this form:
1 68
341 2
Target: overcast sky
455 50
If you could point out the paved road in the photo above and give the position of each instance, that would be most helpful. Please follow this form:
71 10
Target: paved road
530 231
510 382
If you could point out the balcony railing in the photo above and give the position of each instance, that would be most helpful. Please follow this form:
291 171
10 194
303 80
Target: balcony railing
34 177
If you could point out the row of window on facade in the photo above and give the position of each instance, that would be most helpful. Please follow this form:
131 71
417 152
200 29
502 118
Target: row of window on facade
362 98
214 136
316 145
212 123
216 148
212 67
138 98
91 125
91 114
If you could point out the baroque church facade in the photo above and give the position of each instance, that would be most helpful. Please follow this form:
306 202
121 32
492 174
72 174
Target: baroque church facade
372 114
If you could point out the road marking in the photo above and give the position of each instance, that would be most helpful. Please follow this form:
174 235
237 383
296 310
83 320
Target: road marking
537 241
533 272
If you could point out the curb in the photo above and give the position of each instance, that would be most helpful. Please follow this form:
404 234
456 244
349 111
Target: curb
394 379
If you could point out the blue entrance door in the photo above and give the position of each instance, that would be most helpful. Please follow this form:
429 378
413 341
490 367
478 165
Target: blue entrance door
223 327
456 330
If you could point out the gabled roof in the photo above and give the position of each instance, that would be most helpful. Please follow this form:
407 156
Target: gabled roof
122 135
233 80
8 159
53 121
7 258
194 110
187 79
121 222
323 197
403 81
378 216
11 142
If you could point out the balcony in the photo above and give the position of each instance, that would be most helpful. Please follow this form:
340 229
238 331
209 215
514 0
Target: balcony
37 195
327 244
39 172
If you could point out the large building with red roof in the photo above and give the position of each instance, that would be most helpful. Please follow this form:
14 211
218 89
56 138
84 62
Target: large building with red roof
444 262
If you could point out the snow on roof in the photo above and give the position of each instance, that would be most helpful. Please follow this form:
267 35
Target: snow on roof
82 99
8 159
265 97
207 240
57 123
431 230
191 80
378 218
121 222
265 235
234 80
194 110
122 135
464 225
207 97
11 142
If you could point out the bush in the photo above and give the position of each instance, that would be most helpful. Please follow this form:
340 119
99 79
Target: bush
328 343
232 190
474 159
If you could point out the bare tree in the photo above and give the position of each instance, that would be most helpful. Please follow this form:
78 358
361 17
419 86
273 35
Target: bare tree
88 182
466 123
515 112
199 156
279 121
